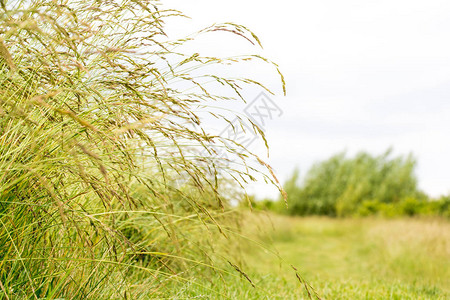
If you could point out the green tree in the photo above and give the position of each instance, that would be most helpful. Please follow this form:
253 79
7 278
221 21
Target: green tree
339 185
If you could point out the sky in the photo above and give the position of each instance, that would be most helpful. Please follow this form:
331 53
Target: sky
361 76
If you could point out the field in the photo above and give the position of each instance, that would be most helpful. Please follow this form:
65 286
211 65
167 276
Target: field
345 259
114 184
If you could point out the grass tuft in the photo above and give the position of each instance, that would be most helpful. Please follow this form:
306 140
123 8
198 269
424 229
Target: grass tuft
98 122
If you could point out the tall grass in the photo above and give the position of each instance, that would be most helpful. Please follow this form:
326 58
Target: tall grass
94 134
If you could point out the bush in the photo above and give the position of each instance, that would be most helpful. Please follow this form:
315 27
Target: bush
441 206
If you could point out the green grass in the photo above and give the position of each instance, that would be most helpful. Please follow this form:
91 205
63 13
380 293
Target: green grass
100 118
344 259
111 182
365 258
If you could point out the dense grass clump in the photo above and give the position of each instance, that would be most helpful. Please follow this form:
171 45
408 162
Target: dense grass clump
95 132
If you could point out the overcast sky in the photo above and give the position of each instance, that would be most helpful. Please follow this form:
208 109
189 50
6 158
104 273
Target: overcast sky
361 75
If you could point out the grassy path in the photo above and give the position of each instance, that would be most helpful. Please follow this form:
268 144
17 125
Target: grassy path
342 259
359 259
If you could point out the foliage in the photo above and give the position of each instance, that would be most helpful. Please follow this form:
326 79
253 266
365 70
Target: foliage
362 185
409 206
98 120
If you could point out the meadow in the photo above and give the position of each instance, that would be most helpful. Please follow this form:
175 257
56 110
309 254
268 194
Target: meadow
368 258
112 185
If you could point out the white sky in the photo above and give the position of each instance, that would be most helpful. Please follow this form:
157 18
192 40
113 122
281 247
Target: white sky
361 75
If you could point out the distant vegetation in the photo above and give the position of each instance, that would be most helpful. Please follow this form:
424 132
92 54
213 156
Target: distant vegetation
362 185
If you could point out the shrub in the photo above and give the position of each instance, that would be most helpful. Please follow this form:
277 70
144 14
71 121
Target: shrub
441 206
